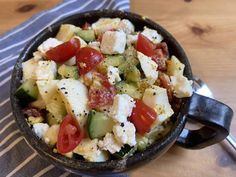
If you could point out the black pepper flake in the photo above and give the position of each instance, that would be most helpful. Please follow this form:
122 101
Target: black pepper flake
80 115
86 114
46 91
104 110
154 93
66 92
122 124
123 130
73 111
63 88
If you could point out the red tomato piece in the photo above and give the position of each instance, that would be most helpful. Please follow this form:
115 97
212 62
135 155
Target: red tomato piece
69 135
158 52
142 117
88 58
86 26
165 83
65 51
102 95
161 55
145 46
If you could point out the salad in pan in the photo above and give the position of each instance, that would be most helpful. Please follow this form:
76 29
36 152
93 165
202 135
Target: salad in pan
103 90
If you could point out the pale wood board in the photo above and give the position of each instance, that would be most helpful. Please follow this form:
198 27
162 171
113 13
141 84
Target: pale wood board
207 32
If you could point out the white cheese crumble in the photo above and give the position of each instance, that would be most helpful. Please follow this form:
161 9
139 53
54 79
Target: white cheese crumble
182 86
40 129
126 26
152 35
48 44
156 98
113 42
113 75
125 133
149 67
122 107
46 70
109 143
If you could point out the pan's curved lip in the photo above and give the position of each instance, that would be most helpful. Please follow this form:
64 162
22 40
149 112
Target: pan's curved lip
79 166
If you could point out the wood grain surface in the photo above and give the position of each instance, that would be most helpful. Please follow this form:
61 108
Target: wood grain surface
207 31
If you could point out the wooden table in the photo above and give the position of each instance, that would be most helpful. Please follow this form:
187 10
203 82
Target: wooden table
207 31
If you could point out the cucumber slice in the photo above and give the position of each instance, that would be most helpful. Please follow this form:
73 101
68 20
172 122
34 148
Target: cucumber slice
114 60
87 35
99 124
27 92
126 151
68 72
132 74
128 88
142 143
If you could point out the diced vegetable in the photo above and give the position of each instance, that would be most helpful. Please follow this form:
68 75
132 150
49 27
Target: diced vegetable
87 35
87 59
132 74
33 120
51 119
27 92
66 32
69 135
75 97
110 60
68 72
142 142
142 117
128 88
126 151
99 124
65 51
39 103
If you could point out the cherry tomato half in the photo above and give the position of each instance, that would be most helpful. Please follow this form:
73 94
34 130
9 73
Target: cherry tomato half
69 135
142 117
88 58
65 51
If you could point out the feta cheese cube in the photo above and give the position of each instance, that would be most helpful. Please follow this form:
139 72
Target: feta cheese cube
40 129
109 143
75 96
46 70
126 26
182 86
122 107
156 98
113 42
105 24
174 67
29 69
149 67
113 75
125 133
89 150
37 56
131 39
152 35
48 44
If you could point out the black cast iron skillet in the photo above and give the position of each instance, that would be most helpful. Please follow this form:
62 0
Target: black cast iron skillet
215 116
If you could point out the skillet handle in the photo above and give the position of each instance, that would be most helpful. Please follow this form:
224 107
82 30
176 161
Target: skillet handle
215 118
